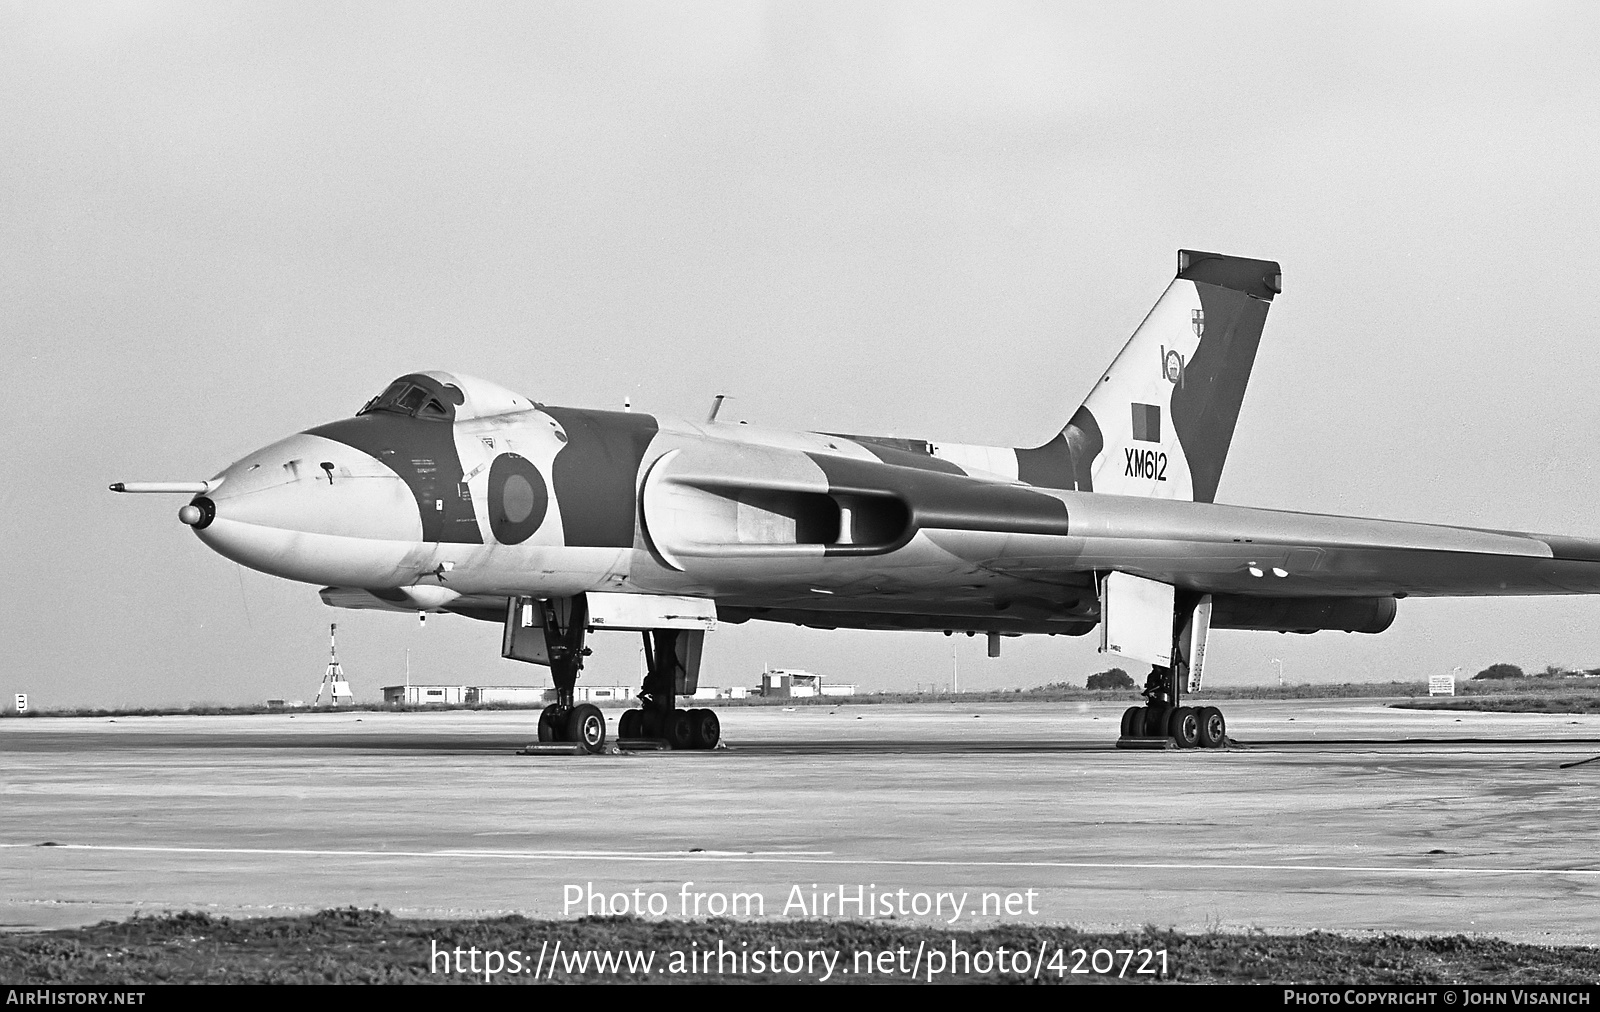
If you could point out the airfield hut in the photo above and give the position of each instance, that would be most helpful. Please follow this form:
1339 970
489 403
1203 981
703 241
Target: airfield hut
787 683
423 695
519 695
594 694
497 695
505 695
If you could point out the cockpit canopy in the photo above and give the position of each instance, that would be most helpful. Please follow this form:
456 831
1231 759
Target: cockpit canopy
418 396
445 397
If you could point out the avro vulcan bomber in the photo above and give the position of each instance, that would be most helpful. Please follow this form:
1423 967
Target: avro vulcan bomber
446 493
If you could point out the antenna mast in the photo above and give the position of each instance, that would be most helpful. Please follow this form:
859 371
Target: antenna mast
333 680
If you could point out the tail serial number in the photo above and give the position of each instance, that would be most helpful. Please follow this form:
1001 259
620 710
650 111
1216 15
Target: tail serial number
1150 464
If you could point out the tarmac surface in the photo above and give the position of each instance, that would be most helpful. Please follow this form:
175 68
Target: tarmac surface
1342 815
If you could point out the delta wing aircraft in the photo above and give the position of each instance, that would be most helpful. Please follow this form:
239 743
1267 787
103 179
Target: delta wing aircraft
448 493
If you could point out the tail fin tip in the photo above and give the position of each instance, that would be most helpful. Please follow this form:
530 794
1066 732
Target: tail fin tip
1259 279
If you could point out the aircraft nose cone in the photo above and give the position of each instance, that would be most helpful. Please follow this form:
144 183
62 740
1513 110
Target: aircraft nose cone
198 514
309 508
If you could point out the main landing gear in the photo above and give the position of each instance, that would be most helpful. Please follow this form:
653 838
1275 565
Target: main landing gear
1162 717
552 632
679 728
1164 721
672 663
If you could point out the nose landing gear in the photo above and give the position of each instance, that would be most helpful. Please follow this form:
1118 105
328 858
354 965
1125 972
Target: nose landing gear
583 725
565 721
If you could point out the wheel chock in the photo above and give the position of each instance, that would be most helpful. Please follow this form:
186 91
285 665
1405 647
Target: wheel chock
1147 744
644 745
553 748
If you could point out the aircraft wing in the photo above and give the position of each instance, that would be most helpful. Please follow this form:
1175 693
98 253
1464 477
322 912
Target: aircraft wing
1239 550
821 539
721 509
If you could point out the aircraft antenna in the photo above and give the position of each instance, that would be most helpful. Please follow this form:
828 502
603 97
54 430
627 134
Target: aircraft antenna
333 680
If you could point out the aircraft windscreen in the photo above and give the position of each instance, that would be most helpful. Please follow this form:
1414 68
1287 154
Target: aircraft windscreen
404 397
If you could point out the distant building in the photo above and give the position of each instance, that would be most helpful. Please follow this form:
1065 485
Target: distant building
796 684
498 695
505 695
422 695
534 695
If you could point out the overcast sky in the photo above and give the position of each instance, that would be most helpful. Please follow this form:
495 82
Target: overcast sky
223 223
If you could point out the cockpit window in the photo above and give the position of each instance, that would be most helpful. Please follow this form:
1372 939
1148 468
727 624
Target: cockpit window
417 396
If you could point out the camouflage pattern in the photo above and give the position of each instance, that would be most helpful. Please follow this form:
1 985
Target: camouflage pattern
451 493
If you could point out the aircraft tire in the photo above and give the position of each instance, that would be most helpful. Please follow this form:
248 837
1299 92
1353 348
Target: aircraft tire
1155 719
649 725
1183 726
550 727
679 730
1133 722
629 724
586 726
1213 727
705 728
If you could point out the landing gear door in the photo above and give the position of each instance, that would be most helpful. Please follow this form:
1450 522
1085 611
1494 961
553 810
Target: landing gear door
687 651
651 611
524 634
1194 636
1136 618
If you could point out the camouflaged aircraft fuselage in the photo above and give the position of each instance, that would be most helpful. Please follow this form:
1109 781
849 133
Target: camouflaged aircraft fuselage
452 493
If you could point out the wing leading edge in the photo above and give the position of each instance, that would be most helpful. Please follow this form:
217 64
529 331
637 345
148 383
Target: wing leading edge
1267 553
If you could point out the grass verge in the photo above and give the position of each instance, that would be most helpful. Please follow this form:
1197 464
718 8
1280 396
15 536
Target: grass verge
1508 704
369 946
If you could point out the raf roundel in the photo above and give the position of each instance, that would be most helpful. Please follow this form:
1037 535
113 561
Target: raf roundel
518 499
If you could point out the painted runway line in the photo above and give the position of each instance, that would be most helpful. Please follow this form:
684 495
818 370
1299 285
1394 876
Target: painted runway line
810 858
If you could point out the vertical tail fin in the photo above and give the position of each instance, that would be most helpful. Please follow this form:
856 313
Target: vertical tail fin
1159 422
